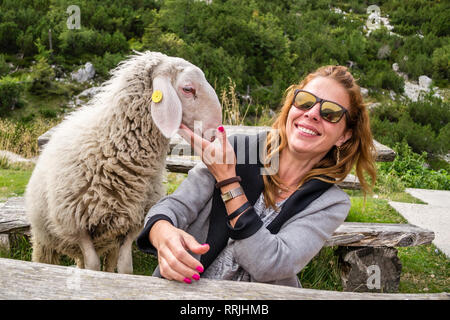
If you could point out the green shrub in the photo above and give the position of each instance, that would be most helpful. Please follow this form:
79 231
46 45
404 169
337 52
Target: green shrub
9 32
10 90
441 62
43 76
380 75
444 139
78 42
411 169
4 68
104 64
422 124
48 113
430 111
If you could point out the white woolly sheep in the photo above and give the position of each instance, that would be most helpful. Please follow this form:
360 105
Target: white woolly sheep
103 167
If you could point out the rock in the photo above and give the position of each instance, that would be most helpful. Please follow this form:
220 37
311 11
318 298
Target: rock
392 95
412 91
384 52
374 105
425 82
84 74
370 269
14 158
364 92
395 67
83 96
89 92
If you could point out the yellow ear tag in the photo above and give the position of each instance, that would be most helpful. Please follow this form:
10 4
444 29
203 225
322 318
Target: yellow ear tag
157 96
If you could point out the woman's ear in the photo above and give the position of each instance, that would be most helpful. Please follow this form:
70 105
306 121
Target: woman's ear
166 108
344 138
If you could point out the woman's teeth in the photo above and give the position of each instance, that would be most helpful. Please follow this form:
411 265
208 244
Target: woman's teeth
307 131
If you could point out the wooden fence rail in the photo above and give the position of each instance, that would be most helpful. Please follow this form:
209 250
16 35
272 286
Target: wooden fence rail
29 280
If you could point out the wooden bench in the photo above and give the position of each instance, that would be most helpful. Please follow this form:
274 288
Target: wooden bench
29 280
361 246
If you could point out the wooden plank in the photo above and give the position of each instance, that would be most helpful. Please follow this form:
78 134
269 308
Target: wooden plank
182 164
29 280
348 234
380 234
12 216
178 146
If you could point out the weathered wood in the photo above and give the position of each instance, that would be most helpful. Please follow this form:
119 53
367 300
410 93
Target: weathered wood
182 164
28 280
4 242
370 269
13 219
12 216
178 146
380 234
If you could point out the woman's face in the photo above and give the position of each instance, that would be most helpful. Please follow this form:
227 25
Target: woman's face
307 132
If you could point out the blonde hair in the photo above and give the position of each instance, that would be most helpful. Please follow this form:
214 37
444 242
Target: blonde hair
359 150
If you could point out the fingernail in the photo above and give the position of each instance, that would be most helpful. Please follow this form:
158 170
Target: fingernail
196 277
200 269
187 280
221 129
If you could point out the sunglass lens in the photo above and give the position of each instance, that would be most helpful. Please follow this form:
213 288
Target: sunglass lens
331 112
304 100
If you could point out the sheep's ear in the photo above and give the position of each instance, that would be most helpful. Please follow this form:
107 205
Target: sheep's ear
166 107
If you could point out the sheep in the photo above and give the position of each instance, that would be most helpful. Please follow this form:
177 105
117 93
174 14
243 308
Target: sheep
103 167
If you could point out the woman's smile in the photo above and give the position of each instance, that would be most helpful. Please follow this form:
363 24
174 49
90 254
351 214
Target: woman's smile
306 130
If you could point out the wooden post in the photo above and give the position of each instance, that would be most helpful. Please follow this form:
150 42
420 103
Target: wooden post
370 269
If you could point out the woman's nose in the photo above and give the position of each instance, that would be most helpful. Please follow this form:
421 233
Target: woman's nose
314 112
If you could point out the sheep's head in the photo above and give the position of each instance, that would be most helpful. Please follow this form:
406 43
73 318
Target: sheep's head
181 94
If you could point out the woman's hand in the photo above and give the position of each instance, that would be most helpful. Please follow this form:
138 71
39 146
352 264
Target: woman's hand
218 156
173 244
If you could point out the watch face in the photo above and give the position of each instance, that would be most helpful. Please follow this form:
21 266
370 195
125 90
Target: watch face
232 194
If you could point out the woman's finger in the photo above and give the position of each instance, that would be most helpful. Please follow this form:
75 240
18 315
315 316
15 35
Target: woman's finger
169 273
197 142
180 270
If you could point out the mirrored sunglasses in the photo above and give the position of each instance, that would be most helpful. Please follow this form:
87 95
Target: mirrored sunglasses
329 110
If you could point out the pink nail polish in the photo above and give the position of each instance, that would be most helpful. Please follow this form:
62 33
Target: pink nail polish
187 280
200 269
221 129
196 277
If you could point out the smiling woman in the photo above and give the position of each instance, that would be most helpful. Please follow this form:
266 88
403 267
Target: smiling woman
329 149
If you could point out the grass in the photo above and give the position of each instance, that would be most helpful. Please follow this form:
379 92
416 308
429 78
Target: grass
13 179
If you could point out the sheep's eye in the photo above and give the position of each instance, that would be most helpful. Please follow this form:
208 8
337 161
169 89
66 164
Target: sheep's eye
188 90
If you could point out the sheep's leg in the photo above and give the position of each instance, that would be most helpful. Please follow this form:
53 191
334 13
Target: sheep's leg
90 257
44 254
125 261
110 261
